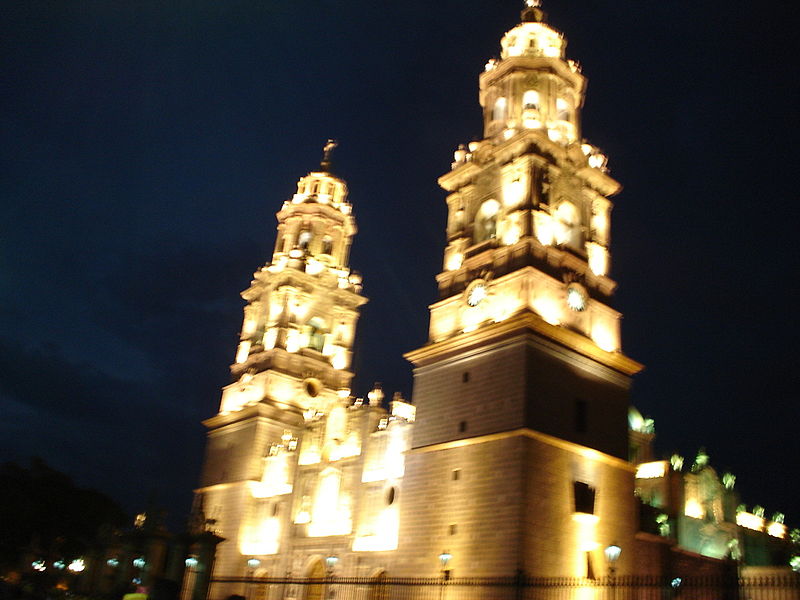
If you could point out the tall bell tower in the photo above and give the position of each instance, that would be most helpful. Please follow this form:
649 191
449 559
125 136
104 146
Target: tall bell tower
291 368
522 388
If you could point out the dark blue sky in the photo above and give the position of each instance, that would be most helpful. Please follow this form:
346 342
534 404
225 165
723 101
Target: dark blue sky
147 145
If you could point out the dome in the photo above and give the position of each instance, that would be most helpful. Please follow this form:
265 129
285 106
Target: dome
533 39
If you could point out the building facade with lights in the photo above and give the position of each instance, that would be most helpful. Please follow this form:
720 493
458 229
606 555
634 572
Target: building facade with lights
514 456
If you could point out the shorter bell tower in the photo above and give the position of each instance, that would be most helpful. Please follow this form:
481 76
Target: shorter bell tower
292 366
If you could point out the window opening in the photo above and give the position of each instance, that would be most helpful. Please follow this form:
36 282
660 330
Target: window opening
327 245
584 497
499 110
304 239
581 415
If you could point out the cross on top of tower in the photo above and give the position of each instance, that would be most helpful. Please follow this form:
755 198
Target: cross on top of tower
327 150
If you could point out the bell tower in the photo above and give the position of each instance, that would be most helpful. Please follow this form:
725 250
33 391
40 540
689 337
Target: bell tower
292 367
522 388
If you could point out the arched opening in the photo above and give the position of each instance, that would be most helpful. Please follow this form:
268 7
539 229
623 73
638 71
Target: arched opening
486 221
327 245
315 571
568 231
304 240
316 334
499 110
531 111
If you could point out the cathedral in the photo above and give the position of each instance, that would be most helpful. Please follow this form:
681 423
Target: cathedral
519 453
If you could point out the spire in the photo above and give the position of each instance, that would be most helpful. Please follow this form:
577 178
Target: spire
533 13
327 150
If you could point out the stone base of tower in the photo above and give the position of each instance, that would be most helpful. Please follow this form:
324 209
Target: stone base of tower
507 502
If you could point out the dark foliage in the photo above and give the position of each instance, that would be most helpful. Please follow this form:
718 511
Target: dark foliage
42 510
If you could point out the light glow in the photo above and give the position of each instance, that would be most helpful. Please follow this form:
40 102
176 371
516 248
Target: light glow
548 309
454 261
694 509
243 352
77 566
604 337
585 540
292 340
385 536
651 470
777 530
513 193
598 259
749 521
270 337
404 410
261 537
331 513
314 266
511 235
340 359
544 227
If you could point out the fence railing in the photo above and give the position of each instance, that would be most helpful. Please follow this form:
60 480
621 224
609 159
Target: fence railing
510 588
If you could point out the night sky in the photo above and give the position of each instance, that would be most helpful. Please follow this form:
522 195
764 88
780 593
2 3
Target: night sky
147 145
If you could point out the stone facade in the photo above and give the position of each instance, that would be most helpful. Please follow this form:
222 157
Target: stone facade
514 456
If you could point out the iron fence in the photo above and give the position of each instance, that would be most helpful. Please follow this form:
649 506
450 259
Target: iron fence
517 588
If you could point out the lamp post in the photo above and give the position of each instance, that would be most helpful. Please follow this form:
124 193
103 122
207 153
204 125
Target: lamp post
444 559
612 553
330 565
252 565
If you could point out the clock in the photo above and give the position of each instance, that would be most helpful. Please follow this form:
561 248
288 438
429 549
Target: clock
476 293
576 298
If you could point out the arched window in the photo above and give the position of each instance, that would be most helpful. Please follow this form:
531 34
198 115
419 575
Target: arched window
567 230
327 245
531 115
316 334
304 240
562 110
315 571
486 221
530 100
499 110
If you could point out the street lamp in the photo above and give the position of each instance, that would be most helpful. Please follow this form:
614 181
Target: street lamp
444 559
612 553
330 563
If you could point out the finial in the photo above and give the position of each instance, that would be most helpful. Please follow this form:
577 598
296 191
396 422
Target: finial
533 12
327 150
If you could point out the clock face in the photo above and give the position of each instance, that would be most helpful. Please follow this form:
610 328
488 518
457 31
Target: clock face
576 298
476 294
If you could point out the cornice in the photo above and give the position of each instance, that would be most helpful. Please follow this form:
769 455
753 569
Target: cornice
519 323
582 451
